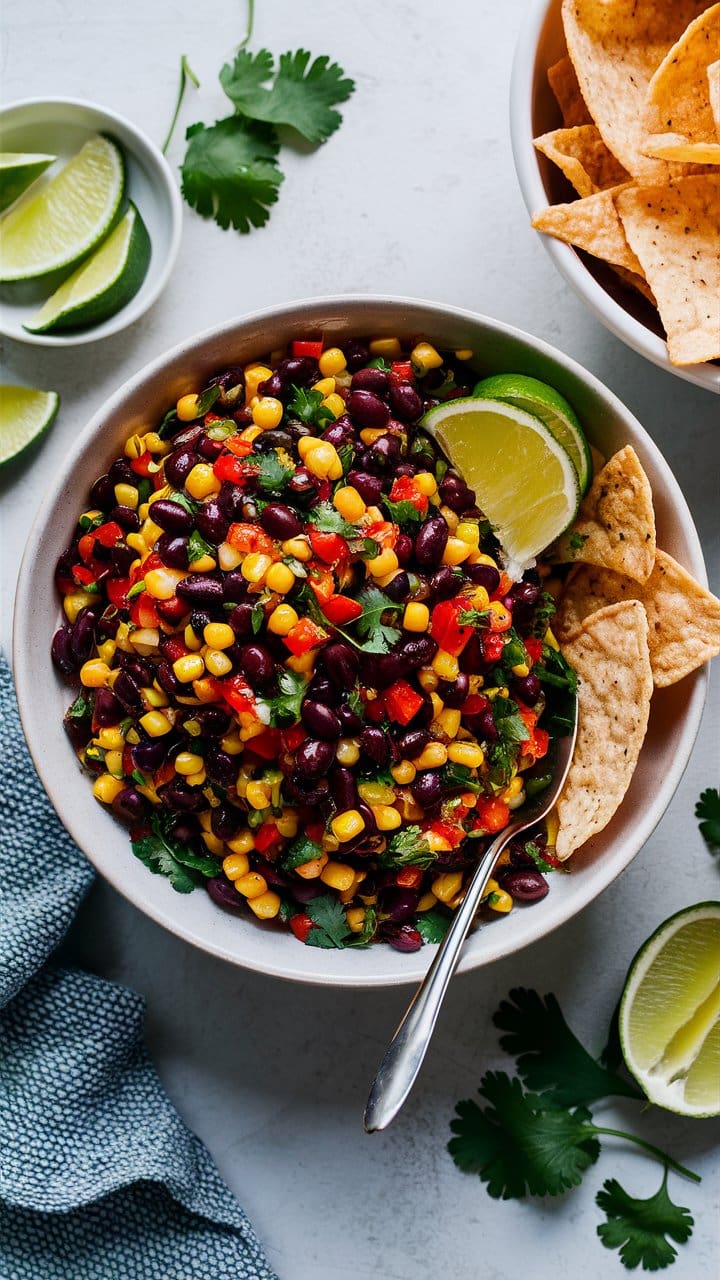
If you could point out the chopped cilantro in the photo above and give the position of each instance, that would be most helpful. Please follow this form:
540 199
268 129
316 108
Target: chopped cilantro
403 512
207 399
198 547
458 775
272 474
136 590
300 851
169 421
640 1228
432 925
222 430
286 703
556 670
187 504
474 618
308 407
168 857
82 707
257 618
327 520
87 523
376 635
576 541
331 926
545 611
408 848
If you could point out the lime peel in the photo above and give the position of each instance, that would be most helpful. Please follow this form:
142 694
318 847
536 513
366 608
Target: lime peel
551 407
18 170
25 414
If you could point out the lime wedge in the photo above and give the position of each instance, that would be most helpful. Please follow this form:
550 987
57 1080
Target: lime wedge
104 282
550 407
17 171
670 1013
523 477
24 416
62 223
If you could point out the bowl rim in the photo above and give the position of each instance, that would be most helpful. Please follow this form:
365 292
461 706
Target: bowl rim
162 180
25 676
607 310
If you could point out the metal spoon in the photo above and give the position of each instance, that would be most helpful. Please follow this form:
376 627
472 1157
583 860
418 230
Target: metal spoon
404 1057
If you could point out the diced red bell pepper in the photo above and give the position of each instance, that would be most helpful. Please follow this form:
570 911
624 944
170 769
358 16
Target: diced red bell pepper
237 693
474 704
448 831
301 924
86 547
165 773
228 467
249 537
266 745
108 534
493 644
445 628
117 589
83 576
533 649
142 466
128 764
491 815
402 702
322 582
341 609
329 547
305 635
143 611
537 744
405 489
266 835
292 737
241 448
315 831
172 610
382 531
401 371
305 348
409 878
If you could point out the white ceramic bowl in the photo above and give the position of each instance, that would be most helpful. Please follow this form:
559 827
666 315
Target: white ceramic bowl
534 111
60 126
43 696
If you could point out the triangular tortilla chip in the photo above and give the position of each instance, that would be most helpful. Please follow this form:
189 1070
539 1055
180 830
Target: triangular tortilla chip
674 232
713 79
615 47
677 119
615 526
683 616
564 85
634 281
610 655
591 224
583 157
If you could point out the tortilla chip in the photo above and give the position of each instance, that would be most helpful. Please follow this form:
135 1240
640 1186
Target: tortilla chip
678 120
564 84
684 618
583 157
591 224
615 47
634 281
674 232
615 526
713 79
610 655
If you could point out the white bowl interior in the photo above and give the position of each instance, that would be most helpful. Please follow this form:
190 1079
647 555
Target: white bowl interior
60 127
534 111
43 696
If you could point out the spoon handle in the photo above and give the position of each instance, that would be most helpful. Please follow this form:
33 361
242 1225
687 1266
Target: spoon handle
399 1068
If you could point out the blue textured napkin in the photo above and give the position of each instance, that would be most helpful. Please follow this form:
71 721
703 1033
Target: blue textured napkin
99 1177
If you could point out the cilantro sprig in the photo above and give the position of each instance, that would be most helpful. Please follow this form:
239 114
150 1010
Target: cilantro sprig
640 1228
408 848
302 95
168 857
707 810
307 406
286 703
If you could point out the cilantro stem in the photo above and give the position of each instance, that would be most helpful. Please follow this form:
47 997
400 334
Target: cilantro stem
249 26
186 73
662 1156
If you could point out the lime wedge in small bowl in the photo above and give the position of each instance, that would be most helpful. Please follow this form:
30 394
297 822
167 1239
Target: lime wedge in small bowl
25 415
550 407
670 1013
17 171
524 479
61 224
103 283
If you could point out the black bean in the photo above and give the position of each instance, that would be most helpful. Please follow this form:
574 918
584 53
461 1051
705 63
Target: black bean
427 788
102 494
357 354
412 743
129 805
201 588
186 830
386 453
431 541
307 790
320 720
402 937
349 719
240 619
122 473
126 518
417 651
210 449
320 689
342 663
525 885
471 659
340 432
127 692
375 380
61 652
235 587
231 500
173 550
107 710
82 635
399 588
280 521
344 789
257 664
275 386
211 521
214 721
189 435
527 688
455 494
367 409
484 575
275 438
405 402
368 486
139 669
225 821
221 767
178 466
303 485
374 744
314 757
367 816
167 679
298 370
224 893
398 905
171 516
444 583
149 754
178 795
454 693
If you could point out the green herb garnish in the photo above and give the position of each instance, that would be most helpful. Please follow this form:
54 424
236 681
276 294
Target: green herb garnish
286 703
198 547
708 810
408 848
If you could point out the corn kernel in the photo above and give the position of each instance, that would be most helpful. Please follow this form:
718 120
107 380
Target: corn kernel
437 843
280 578
332 361
250 433
426 483
193 727
137 543
114 763
323 460
449 721
433 756
403 772
232 743
106 650
386 817
521 669
288 823
299 548
267 413
445 886
347 825
75 601
455 551
155 724
337 875
133 447
213 844
187 762
150 531
369 435
217 662
202 481
162 583
306 444
416 616
386 562
311 869
106 788
355 919
388 348
428 680
437 705
228 557
450 517
376 793
145 640
219 635
512 790
188 668
254 375
187 408
478 598
282 619
349 503
203 564
466 753
426 902
191 640
325 386
445 665
258 794
302 663
468 531
424 357
126 495
236 865
255 566
251 885
243 842
94 674
347 751
500 901
110 739
336 405
266 905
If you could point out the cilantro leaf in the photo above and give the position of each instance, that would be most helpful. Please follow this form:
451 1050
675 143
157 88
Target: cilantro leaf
332 929
187 504
301 850
708 810
207 399
198 547
327 520
474 618
168 857
369 927
550 1059
640 1228
300 96
576 541
459 775
308 407
82 707
512 731
272 475
229 172
516 1146
403 512
432 925
378 636
286 703
556 670
545 611
408 848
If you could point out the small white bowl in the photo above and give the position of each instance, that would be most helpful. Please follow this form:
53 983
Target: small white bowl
60 126
534 111
43 696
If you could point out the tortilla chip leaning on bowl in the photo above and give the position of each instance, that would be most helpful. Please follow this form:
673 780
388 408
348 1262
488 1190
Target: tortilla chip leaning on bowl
615 526
677 119
591 224
583 157
564 84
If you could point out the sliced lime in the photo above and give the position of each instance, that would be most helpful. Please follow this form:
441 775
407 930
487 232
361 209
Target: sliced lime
670 1013
523 477
24 416
103 284
61 224
17 170
550 407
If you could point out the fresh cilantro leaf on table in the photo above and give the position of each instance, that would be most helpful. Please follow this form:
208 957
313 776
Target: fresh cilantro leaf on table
517 1146
640 1228
408 848
286 703
168 857
302 96
198 547
229 172
432 925
327 520
332 929
708 810
403 512
307 406
550 1059
271 474
300 851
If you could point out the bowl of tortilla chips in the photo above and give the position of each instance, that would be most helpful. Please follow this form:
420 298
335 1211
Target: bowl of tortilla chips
615 119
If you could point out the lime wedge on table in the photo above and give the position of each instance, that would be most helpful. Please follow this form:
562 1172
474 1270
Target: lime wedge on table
17 170
670 1013
524 480
24 416
62 223
103 283
550 407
